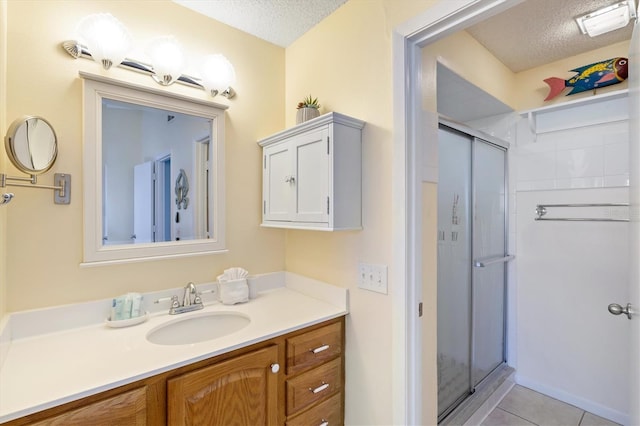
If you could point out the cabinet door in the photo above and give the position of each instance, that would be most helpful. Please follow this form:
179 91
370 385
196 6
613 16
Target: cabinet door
311 172
239 391
277 182
129 408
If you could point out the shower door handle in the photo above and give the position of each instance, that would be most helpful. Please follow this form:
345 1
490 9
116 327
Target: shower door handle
481 263
617 309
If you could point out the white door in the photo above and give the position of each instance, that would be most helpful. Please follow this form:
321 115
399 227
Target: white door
634 201
277 182
143 202
311 173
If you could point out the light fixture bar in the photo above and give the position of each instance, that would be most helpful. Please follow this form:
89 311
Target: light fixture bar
77 50
607 19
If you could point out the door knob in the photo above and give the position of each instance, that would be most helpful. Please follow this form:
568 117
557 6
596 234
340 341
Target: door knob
617 309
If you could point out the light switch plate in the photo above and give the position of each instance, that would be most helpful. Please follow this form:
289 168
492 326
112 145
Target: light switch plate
372 277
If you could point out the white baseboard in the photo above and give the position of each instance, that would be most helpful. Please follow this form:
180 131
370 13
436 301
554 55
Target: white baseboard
582 403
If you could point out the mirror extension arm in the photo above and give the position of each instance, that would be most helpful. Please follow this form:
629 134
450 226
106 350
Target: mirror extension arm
61 186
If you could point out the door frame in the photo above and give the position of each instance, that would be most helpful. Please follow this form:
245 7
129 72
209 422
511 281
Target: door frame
411 167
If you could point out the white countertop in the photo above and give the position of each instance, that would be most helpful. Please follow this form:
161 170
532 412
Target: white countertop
40 371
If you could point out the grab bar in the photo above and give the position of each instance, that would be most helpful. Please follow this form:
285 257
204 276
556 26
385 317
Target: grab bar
481 263
541 210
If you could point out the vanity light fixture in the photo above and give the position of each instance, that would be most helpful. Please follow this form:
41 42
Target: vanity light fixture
103 38
607 19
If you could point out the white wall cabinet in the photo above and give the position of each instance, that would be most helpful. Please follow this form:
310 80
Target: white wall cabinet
312 175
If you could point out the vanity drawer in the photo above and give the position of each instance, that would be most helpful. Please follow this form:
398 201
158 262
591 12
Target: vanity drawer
327 413
314 385
313 348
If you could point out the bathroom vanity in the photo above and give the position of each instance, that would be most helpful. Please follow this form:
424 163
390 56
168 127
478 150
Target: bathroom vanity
285 367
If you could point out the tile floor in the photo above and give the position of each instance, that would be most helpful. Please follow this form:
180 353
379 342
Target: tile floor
524 407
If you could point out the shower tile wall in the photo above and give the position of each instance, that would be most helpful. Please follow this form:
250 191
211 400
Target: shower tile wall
581 147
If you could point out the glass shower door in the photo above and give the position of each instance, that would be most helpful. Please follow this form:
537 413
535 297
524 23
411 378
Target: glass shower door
471 263
489 253
454 269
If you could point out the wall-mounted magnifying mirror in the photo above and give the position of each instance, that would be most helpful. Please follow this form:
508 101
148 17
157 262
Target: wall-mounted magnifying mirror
31 145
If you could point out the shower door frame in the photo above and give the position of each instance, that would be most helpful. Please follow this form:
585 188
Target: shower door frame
475 137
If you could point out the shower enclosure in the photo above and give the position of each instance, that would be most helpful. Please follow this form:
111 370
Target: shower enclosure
472 236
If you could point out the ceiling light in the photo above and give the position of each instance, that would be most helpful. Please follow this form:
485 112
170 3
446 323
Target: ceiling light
607 19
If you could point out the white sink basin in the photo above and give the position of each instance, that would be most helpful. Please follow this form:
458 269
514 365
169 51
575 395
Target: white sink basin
197 328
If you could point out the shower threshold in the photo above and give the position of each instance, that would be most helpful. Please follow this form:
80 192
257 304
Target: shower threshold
486 396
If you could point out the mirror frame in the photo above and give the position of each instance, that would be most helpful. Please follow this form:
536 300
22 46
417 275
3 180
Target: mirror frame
10 142
95 89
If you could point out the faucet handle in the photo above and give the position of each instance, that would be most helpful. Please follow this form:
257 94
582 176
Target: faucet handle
174 301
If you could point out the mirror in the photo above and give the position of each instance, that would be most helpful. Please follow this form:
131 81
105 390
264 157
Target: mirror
154 168
31 145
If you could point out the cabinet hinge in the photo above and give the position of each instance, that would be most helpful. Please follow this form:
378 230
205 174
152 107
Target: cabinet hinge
420 309
327 205
327 145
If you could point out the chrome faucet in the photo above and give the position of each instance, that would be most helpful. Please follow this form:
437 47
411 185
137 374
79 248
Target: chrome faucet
189 290
190 302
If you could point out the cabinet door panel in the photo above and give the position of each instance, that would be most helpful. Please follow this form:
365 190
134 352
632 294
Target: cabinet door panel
277 185
239 391
311 165
129 408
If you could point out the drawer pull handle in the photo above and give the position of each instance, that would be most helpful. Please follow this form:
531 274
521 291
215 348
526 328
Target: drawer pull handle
320 388
324 423
319 349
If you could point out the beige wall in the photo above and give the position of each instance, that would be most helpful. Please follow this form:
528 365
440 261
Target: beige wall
524 90
346 62
44 240
3 128
462 54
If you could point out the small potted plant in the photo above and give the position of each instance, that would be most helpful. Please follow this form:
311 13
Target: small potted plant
307 109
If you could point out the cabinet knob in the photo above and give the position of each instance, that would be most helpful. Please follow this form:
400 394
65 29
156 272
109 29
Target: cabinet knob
275 367
324 423
290 179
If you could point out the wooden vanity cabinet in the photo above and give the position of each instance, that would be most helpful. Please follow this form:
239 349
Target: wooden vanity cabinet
241 387
240 391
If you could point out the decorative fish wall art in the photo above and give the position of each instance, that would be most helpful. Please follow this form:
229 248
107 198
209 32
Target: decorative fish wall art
588 77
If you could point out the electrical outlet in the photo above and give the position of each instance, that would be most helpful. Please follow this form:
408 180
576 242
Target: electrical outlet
372 277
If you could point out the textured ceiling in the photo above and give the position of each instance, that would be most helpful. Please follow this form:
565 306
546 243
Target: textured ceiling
537 32
277 21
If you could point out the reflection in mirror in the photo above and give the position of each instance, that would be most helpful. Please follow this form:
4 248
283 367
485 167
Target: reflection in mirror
144 150
31 145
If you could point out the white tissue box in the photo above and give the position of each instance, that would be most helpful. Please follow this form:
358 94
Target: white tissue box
234 291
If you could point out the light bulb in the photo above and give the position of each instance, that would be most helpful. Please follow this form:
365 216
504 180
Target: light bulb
167 59
217 74
106 38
